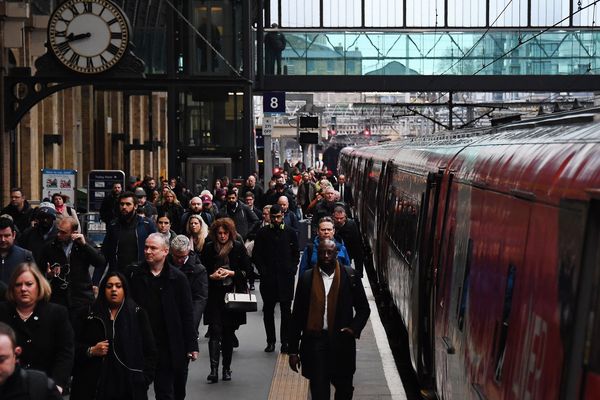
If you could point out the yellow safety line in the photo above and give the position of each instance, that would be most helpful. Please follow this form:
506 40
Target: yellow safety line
287 384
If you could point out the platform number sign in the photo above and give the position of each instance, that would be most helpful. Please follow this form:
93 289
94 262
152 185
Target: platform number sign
274 102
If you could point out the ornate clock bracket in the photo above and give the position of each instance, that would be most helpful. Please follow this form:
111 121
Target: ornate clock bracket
23 91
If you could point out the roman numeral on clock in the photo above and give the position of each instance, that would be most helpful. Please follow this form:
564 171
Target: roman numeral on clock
74 59
74 10
89 63
64 47
112 49
87 7
116 35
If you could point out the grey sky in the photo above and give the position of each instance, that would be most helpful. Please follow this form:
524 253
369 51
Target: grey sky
422 13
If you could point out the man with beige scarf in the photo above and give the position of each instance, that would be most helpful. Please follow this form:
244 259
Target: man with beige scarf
330 311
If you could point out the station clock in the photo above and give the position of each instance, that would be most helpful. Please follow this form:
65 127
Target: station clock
88 36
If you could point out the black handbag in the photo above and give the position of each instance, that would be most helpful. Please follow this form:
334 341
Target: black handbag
240 302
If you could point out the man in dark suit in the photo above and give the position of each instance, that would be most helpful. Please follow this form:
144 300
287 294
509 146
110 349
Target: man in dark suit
330 311
344 189
276 256
347 230
164 292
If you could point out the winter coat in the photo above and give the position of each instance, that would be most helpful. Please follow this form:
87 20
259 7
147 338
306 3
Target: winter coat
176 301
16 255
22 219
352 311
132 345
46 339
79 291
245 220
276 255
110 246
238 262
196 275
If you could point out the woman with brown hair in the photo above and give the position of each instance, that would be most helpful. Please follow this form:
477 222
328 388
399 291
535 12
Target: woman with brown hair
228 266
62 209
43 329
197 231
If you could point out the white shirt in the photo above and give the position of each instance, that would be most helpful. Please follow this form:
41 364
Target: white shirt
327 282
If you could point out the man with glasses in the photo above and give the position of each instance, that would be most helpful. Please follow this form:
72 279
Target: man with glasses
66 260
276 257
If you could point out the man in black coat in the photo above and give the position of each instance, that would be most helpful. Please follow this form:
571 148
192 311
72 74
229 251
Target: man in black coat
189 263
245 220
19 209
276 257
66 261
164 292
109 209
344 189
330 311
17 383
35 237
347 230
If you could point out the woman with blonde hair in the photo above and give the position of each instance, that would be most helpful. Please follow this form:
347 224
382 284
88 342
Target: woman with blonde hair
43 329
171 205
197 231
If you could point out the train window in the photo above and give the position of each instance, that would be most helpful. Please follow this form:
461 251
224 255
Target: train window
372 183
402 223
464 290
508 296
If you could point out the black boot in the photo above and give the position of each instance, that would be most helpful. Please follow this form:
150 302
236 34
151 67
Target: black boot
227 356
214 350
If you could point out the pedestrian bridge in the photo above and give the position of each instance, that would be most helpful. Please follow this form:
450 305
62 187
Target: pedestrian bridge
538 60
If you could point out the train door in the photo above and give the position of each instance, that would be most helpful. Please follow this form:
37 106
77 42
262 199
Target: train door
426 292
381 217
581 369
201 172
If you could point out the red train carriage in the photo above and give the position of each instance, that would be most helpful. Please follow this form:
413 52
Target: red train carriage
489 245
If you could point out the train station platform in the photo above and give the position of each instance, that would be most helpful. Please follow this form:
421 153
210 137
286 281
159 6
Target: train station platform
258 375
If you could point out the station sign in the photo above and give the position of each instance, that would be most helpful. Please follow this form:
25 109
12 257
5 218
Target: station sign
274 103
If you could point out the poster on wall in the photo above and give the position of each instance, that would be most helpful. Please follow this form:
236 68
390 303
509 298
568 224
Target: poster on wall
59 181
100 183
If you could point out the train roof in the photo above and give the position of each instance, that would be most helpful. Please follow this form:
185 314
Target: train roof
546 158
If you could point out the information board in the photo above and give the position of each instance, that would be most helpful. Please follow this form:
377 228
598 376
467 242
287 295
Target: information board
267 127
59 181
100 183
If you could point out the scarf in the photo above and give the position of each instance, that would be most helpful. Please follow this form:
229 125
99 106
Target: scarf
316 309
223 251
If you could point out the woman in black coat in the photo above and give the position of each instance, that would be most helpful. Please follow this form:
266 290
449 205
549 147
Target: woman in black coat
228 266
43 329
115 354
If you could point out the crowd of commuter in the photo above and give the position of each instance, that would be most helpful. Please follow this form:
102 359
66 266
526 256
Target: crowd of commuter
106 324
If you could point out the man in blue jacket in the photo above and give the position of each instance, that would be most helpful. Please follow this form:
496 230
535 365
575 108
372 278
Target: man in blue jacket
326 230
11 255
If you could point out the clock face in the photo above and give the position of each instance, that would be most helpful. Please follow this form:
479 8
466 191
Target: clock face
88 36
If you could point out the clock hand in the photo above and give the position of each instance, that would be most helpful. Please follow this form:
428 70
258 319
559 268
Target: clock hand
71 37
